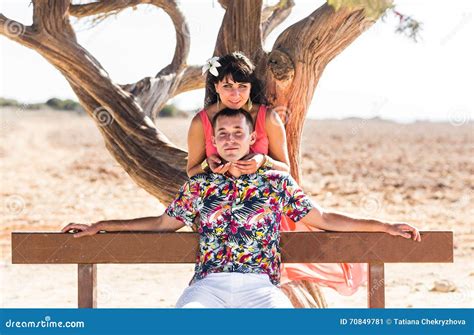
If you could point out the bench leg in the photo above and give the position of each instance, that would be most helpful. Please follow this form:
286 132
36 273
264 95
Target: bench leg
87 280
376 286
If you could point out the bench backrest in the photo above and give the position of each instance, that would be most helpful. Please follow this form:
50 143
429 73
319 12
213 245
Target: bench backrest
296 247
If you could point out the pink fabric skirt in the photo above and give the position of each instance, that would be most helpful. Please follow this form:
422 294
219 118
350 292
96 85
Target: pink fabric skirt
345 278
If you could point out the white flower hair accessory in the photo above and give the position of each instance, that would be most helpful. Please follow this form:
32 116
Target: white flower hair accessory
211 64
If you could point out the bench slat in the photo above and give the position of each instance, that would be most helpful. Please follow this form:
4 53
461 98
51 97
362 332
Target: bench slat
297 247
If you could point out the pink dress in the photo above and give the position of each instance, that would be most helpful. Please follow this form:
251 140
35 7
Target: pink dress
345 278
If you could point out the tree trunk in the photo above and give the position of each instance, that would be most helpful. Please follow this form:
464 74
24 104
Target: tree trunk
125 114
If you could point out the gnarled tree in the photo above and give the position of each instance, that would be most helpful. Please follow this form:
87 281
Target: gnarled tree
126 114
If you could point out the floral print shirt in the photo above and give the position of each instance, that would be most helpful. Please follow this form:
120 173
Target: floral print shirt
240 219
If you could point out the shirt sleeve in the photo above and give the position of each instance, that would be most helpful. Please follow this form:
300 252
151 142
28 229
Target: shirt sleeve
184 206
296 204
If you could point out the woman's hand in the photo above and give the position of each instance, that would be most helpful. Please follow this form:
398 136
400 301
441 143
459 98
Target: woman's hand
405 230
84 229
251 163
216 165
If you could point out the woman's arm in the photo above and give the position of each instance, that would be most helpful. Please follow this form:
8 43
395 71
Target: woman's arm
277 146
196 147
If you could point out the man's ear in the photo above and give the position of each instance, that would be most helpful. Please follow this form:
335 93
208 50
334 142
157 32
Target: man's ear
213 140
253 137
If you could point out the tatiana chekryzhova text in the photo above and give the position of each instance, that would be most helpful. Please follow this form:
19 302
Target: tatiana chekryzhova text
431 322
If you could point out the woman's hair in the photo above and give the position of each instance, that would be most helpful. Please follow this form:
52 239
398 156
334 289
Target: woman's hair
242 70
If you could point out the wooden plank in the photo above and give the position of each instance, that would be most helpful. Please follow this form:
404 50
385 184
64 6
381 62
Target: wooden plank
87 285
376 285
300 247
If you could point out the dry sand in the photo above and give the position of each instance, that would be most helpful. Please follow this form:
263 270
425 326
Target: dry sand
55 170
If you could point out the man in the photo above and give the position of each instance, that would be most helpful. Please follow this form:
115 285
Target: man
238 264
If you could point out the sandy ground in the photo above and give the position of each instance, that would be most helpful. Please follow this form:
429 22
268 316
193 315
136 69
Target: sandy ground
55 170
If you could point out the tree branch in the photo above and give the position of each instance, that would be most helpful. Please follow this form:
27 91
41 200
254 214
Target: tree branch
224 3
152 93
146 91
102 7
130 136
14 30
157 167
182 36
170 7
323 34
190 79
299 56
273 16
52 18
240 29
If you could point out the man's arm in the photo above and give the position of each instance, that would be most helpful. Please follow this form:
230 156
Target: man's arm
163 223
333 221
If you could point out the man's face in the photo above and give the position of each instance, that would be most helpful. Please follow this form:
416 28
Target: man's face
232 137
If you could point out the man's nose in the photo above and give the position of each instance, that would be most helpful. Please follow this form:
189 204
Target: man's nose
231 138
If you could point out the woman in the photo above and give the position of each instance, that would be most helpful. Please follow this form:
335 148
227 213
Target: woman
231 83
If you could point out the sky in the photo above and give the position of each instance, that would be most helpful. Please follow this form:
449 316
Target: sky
381 74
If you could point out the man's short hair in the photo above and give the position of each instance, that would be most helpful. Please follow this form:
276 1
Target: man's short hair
234 112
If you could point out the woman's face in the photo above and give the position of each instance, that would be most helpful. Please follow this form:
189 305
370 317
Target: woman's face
233 94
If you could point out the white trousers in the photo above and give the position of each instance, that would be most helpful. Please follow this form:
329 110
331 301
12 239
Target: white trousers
233 290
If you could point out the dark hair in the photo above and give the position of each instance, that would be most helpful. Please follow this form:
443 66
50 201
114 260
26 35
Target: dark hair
228 112
242 70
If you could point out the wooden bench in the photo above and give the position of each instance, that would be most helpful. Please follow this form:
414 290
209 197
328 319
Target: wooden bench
297 247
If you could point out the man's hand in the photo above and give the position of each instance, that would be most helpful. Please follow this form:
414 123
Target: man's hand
404 230
84 229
